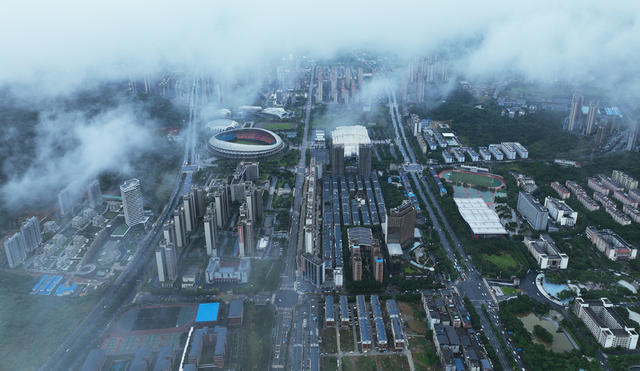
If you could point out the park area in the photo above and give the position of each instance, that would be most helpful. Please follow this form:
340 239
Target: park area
484 180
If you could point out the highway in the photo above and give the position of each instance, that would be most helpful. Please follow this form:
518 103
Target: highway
472 284
72 351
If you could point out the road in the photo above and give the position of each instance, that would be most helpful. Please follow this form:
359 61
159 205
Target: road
71 352
472 284
286 296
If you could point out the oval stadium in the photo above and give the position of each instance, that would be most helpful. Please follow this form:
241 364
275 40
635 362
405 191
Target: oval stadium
245 143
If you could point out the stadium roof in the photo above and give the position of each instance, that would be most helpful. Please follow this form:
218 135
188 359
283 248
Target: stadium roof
481 219
207 312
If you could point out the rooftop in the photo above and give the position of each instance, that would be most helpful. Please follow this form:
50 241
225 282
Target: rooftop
207 312
481 219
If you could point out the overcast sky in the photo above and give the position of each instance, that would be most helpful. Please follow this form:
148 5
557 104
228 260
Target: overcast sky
53 48
59 44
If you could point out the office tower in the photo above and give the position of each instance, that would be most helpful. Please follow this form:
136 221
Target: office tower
576 106
199 196
251 203
364 160
347 77
188 204
211 231
169 232
337 159
591 117
400 224
94 194
180 227
221 200
66 201
31 233
15 249
132 201
319 88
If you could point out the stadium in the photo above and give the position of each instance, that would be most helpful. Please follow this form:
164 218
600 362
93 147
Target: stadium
245 143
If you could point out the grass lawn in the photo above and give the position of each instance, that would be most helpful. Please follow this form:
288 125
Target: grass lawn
371 363
503 261
277 125
329 341
32 326
346 340
508 290
256 337
424 354
329 363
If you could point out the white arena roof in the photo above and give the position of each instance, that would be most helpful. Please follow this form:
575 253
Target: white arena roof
394 249
481 219
351 137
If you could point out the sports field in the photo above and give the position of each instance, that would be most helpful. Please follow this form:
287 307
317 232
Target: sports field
473 179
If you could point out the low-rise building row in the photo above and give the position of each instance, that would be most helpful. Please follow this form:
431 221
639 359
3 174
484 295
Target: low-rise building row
562 191
611 244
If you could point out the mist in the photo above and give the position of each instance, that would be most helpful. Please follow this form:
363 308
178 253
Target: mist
57 50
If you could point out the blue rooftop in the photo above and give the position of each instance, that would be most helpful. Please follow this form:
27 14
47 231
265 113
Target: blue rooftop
207 312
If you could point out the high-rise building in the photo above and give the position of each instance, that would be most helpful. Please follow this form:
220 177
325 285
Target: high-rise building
337 159
211 231
199 196
377 263
356 265
591 117
31 233
221 200
160 264
180 227
400 224
319 88
334 84
188 204
576 105
94 194
66 201
246 238
631 141
15 249
169 232
166 262
364 159
132 201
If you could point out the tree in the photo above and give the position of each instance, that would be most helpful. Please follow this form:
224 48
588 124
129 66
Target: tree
542 334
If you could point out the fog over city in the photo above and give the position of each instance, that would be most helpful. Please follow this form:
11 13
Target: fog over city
183 184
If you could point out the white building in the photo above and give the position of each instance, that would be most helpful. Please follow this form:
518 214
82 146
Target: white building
546 253
494 149
15 249
509 150
351 137
132 202
604 323
560 212
31 233
211 231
